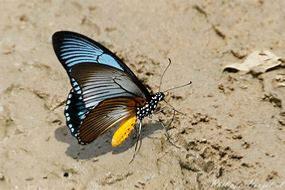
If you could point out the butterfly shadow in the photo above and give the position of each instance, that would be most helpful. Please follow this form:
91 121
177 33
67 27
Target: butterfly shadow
102 145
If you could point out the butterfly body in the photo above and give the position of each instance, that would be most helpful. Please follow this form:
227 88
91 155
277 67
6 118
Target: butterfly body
105 92
150 106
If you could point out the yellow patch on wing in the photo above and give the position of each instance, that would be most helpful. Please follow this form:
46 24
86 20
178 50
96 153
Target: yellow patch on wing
124 131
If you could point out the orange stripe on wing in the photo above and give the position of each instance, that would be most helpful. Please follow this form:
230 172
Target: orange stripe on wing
124 131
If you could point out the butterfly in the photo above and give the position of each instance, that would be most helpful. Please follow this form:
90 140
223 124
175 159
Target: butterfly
105 92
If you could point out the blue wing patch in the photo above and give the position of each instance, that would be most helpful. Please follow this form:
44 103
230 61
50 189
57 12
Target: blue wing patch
72 49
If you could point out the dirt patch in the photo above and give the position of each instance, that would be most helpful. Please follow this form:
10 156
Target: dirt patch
230 137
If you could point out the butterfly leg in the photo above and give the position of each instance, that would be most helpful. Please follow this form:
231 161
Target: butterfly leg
138 140
166 130
139 137
136 133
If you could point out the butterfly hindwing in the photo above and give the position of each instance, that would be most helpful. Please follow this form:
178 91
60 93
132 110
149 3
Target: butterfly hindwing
107 114
126 127
75 112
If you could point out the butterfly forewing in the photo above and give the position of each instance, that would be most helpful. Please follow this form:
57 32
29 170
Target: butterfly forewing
72 49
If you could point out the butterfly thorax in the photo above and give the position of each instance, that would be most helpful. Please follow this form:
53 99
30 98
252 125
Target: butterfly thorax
150 106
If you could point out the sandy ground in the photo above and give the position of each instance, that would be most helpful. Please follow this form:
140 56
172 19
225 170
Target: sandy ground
232 136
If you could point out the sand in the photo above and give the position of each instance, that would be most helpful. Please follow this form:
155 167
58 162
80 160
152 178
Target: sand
231 136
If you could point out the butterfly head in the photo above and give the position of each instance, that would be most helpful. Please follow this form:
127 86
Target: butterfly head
159 96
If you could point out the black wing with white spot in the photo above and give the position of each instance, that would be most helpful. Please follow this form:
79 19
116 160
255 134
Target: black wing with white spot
75 112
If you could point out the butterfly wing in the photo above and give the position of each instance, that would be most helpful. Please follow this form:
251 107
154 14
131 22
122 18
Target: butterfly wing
98 77
107 114
124 130
75 112
72 49
102 97
98 82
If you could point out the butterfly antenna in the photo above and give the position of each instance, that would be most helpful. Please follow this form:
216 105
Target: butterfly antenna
169 63
181 86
